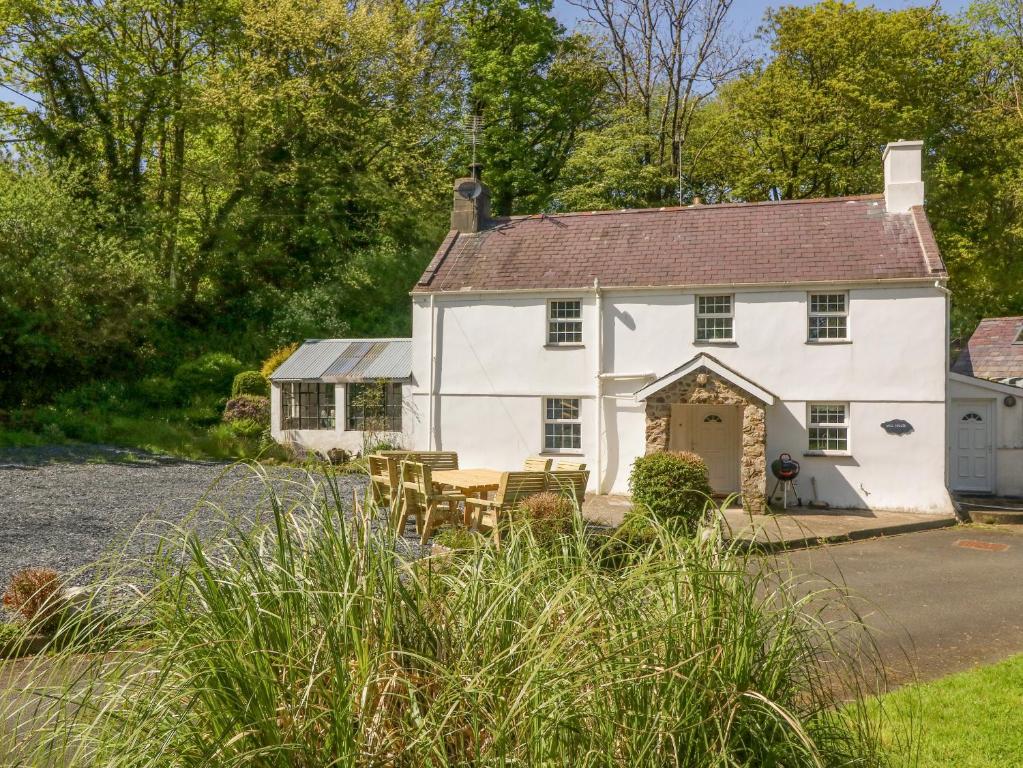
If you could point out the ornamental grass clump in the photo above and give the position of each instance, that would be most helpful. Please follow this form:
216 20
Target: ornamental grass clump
34 596
314 641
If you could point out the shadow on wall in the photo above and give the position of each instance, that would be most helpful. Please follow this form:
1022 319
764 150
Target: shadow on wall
786 434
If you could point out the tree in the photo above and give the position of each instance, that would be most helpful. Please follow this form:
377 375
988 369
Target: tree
841 82
664 60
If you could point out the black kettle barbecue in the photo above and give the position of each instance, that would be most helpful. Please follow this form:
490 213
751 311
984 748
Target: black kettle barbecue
785 469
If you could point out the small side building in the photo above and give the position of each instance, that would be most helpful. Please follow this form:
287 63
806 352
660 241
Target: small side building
986 410
347 394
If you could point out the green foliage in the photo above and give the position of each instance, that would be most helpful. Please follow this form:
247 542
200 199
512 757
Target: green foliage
247 427
277 358
210 374
250 383
673 487
158 391
518 655
457 538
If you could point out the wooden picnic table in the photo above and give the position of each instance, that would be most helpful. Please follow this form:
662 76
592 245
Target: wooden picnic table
476 483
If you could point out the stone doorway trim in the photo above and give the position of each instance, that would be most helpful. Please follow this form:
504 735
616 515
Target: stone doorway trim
704 379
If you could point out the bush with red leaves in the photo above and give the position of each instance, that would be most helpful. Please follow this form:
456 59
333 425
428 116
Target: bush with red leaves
32 594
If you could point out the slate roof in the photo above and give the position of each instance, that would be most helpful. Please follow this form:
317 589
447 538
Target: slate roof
822 240
992 351
348 360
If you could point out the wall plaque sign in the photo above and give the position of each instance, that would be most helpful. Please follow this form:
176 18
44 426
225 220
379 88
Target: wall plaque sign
897 427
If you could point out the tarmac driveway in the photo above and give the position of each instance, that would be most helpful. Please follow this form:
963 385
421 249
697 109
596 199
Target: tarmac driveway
946 600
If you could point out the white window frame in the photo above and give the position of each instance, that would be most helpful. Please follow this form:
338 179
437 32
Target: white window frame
553 322
545 421
730 316
845 425
811 314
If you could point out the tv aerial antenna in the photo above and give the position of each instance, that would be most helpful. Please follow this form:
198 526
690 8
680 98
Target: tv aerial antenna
473 125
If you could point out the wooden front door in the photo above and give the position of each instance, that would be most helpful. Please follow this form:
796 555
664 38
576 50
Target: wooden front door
972 446
711 431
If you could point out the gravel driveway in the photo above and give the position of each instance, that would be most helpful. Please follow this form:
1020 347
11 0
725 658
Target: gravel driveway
66 507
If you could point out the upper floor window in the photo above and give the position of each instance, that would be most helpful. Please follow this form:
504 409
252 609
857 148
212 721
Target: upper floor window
564 321
828 427
828 317
373 407
562 424
714 318
307 405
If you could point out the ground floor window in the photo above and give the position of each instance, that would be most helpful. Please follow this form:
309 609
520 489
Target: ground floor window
307 405
828 427
373 407
562 424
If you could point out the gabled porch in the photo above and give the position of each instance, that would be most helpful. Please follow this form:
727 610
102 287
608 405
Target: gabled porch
705 407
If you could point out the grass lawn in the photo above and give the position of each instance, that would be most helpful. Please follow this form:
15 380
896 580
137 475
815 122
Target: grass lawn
970 720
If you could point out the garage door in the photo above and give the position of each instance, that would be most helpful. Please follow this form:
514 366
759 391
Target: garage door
972 441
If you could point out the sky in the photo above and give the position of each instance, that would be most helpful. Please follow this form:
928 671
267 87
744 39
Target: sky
748 14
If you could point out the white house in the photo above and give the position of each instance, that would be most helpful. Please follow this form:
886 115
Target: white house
986 410
343 394
739 331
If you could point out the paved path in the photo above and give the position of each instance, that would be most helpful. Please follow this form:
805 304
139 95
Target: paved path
951 599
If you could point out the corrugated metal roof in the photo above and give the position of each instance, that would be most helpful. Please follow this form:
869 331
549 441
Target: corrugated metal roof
341 360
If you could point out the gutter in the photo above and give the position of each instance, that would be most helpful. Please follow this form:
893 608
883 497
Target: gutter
467 292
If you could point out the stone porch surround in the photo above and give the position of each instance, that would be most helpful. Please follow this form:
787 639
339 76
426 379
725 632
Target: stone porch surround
702 386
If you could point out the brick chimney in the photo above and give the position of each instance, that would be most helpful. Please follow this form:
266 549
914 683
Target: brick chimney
903 179
471 209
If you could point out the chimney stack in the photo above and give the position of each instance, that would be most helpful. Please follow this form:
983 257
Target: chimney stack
471 209
903 178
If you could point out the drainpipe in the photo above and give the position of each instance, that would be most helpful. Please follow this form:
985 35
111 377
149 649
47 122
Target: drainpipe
948 366
433 365
599 380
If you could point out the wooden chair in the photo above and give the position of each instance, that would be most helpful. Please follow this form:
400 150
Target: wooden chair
514 487
569 466
537 464
570 483
383 479
421 498
438 459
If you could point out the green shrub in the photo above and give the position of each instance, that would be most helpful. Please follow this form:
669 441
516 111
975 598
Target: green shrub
158 391
248 408
202 413
277 358
247 427
457 538
672 486
250 383
211 374
630 542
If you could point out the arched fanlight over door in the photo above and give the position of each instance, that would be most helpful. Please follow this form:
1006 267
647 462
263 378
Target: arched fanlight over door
971 416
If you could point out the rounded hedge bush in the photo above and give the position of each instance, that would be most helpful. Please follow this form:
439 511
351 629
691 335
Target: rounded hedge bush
250 383
672 486
248 408
210 374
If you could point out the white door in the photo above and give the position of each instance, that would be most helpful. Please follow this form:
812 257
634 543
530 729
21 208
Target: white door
972 440
712 432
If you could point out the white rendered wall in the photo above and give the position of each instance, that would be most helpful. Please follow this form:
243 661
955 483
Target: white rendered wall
1008 438
323 440
493 369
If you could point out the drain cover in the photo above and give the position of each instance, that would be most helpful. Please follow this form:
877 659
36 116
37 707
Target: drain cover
986 546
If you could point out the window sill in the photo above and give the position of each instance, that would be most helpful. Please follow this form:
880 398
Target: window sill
827 342
828 453
715 343
562 454
566 345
